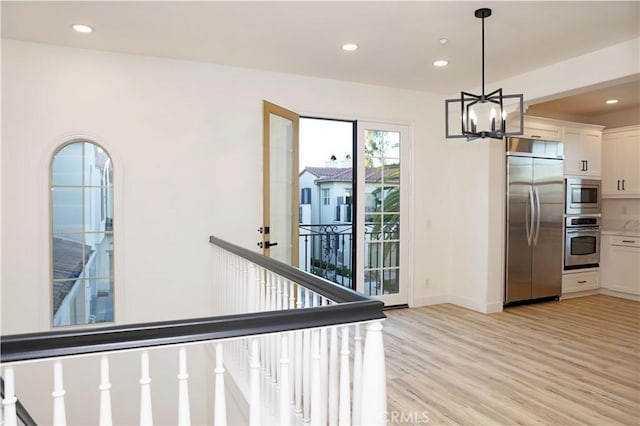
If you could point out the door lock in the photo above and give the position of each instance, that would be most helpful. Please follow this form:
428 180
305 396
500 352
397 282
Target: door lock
263 230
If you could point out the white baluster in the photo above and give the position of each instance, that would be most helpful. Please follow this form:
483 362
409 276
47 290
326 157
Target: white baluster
184 411
306 375
220 404
146 412
292 365
285 390
324 375
316 385
292 295
59 413
299 302
255 403
9 401
298 373
105 393
279 292
374 377
357 375
333 392
345 396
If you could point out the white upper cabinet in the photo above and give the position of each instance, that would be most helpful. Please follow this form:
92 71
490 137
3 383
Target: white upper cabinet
582 151
539 129
621 163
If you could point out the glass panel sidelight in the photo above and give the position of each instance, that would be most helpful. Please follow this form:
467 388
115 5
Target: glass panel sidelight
382 212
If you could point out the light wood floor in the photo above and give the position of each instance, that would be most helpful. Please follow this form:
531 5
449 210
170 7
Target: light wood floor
574 362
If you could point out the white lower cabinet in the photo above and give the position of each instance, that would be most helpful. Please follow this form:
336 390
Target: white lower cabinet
620 263
580 281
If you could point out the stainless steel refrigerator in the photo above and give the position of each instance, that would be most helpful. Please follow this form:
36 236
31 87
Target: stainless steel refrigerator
534 219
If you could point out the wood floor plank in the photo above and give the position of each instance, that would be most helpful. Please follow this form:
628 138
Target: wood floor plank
560 363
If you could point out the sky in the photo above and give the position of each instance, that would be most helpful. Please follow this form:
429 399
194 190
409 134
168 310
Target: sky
320 139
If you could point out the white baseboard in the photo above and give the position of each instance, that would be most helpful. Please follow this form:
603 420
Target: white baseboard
619 294
485 308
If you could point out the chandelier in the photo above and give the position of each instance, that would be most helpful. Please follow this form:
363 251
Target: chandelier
492 115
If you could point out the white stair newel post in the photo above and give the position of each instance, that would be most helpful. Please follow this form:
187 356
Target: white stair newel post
345 394
316 385
374 377
333 392
59 413
146 412
255 403
357 375
285 390
184 411
220 403
9 401
105 393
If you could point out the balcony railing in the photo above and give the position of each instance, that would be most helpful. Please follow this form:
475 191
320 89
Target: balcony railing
326 251
288 348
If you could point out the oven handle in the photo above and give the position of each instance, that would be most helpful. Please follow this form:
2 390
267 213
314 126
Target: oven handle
590 230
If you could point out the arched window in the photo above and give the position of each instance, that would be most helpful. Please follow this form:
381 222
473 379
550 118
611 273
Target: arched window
81 189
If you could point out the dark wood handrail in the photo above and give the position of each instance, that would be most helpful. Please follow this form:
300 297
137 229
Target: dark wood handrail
349 306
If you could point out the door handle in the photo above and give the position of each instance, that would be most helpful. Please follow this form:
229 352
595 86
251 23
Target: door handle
528 224
538 211
266 244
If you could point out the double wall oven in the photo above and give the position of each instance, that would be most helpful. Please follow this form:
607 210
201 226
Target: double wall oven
582 223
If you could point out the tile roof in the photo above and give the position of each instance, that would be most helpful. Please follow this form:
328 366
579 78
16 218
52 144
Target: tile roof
338 174
67 265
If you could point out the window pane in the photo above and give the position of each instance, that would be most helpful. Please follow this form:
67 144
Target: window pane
97 166
66 168
100 300
391 255
68 302
100 257
372 256
390 281
97 209
67 209
68 257
391 199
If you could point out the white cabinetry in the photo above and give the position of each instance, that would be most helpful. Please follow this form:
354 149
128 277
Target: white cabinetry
620 263
620 163
580 281
582 151
536 128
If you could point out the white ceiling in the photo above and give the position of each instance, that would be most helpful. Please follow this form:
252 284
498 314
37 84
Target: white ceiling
399 40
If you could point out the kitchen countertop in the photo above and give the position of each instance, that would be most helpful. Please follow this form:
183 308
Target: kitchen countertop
622 232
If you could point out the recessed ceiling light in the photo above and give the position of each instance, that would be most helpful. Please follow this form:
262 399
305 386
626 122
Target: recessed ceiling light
81 28
440 63
612 101
443 40
350 47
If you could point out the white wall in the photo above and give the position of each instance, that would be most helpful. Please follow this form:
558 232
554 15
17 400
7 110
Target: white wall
178 133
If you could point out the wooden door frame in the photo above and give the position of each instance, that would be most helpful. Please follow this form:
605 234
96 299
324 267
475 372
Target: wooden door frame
269 108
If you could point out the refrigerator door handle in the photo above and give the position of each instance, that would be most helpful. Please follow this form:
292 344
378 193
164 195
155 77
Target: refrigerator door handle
528 218
537 197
